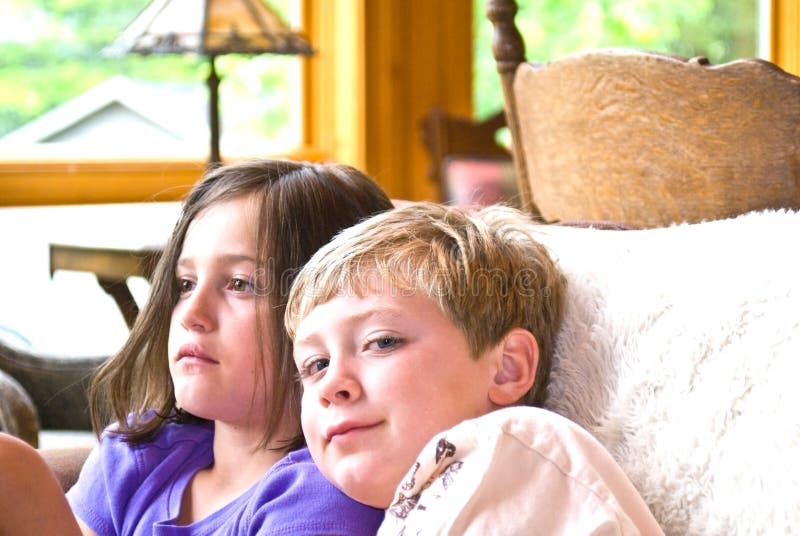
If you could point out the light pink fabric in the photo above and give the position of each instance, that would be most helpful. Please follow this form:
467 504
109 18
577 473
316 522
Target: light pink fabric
518 470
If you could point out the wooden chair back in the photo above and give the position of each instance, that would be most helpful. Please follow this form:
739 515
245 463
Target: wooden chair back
645 138
447 137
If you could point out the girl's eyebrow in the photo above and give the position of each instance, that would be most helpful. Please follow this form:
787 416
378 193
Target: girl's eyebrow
230 258
236 257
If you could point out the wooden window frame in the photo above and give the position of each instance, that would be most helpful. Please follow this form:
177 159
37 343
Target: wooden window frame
784 39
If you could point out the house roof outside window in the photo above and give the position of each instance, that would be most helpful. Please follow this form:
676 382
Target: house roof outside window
121 117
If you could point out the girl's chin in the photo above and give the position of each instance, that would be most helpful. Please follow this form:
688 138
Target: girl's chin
195 405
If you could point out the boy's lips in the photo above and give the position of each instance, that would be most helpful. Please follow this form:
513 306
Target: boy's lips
347 427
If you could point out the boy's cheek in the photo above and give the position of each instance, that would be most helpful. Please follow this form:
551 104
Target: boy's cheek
308 417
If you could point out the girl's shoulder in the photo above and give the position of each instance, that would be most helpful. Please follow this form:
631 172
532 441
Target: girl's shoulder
122 481
296 498
173 443
293 469
168 435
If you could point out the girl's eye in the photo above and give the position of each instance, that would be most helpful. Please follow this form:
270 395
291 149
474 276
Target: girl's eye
314 366
239 284
185 285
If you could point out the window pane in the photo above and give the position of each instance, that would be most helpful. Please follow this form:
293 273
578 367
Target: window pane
56 87
721 30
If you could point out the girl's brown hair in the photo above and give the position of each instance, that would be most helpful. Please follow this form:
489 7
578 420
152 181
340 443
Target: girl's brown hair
300 207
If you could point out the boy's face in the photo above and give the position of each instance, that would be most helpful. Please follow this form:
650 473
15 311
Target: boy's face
382 374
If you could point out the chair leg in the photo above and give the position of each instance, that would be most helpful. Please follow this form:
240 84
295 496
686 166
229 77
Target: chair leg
122 296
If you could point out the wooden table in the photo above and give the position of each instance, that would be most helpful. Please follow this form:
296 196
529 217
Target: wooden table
111 266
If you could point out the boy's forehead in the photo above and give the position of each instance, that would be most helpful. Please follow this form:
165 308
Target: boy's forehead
362 287
356 280
352 305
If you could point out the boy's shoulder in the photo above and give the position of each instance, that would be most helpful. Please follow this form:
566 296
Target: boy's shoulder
517 467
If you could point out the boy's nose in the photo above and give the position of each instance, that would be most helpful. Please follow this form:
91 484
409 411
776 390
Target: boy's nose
340 384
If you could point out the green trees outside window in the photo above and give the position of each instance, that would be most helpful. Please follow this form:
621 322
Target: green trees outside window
721 30
50 52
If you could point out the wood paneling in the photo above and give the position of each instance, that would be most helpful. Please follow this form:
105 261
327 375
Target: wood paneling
785 34
418 55
335 92
381 65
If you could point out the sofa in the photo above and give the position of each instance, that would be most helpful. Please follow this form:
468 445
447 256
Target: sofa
39 391
18 415
680 351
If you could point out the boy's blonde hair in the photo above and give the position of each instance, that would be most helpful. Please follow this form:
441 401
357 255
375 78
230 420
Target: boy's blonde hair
484 270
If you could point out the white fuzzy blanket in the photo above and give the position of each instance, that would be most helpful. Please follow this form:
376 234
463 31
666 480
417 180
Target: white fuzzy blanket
680 352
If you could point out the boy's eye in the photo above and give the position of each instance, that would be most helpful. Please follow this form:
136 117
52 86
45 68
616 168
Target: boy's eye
384 342
314 366
320 364
185 285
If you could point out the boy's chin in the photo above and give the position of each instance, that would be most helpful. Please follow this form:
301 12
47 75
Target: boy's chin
375 494
374 498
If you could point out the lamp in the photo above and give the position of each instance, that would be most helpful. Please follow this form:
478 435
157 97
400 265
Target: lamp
210 28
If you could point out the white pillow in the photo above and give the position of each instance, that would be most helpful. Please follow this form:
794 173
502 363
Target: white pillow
680 352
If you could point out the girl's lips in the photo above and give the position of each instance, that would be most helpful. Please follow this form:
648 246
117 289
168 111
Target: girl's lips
194 351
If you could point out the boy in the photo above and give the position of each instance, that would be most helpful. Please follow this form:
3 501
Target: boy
425 317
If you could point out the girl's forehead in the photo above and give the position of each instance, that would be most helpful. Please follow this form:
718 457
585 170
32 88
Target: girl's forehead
244 202
235 210
222 228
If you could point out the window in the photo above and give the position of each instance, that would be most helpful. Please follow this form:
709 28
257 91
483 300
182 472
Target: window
61 96
720 30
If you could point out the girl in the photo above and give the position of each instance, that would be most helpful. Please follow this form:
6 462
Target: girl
207 436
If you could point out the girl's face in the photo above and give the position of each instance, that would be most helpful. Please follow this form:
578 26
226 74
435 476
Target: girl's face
213 351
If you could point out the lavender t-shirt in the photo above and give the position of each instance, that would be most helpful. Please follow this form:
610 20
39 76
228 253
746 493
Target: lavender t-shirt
137 490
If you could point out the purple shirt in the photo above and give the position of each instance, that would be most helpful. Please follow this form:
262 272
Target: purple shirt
137 490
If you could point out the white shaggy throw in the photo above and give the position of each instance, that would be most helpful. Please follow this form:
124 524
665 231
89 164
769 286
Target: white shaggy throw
680 352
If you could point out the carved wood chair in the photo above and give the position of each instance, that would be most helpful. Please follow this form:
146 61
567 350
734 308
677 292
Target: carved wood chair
464 156
644 138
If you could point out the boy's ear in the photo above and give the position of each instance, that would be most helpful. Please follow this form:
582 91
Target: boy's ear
517 357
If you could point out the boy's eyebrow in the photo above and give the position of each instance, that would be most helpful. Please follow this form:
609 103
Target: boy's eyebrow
379 311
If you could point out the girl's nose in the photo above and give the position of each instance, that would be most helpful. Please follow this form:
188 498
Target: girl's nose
196 310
